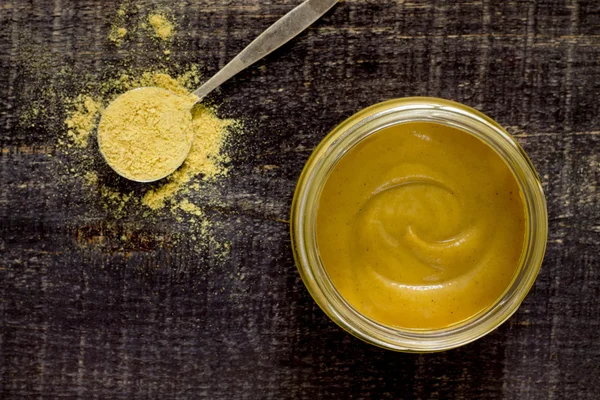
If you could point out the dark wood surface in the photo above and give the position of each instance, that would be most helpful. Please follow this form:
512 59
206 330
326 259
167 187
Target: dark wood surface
84 315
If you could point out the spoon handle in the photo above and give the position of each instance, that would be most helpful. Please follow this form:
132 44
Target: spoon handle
275 36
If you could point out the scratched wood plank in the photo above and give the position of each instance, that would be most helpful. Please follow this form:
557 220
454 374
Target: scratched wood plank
84 315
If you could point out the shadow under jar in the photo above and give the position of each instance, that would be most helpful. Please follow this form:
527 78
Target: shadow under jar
419 215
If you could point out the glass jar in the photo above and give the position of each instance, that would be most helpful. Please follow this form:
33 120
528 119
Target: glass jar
347 135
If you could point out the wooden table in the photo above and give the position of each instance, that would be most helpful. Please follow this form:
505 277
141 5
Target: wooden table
83 316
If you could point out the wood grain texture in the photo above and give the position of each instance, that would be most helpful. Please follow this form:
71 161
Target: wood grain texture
84 315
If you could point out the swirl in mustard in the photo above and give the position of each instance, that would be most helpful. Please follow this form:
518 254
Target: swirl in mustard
421 226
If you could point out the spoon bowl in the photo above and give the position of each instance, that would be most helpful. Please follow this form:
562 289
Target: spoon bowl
147 133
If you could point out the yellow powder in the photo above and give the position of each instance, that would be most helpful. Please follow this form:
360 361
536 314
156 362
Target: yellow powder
205 157
83 120
190 208
174 195
66 98
209 134
157 24
166 82
189 78
83 117
118 31
91 178
145 134
115 201
163 28
117 34
131 80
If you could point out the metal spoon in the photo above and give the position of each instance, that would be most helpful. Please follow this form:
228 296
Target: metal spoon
282 31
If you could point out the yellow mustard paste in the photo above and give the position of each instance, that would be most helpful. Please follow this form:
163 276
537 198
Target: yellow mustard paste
421 226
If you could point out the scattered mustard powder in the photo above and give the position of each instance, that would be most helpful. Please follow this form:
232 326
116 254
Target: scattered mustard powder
145 134
205 156
190 208
83 120
163 28
185 195
166 82
91 178
70 99
118 31
117 34
206 161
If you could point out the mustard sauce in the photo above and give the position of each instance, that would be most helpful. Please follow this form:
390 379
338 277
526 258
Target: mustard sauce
421 226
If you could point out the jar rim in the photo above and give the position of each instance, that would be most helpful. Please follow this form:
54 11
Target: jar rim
347 135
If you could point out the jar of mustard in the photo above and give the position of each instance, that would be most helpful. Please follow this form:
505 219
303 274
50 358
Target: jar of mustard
419 225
